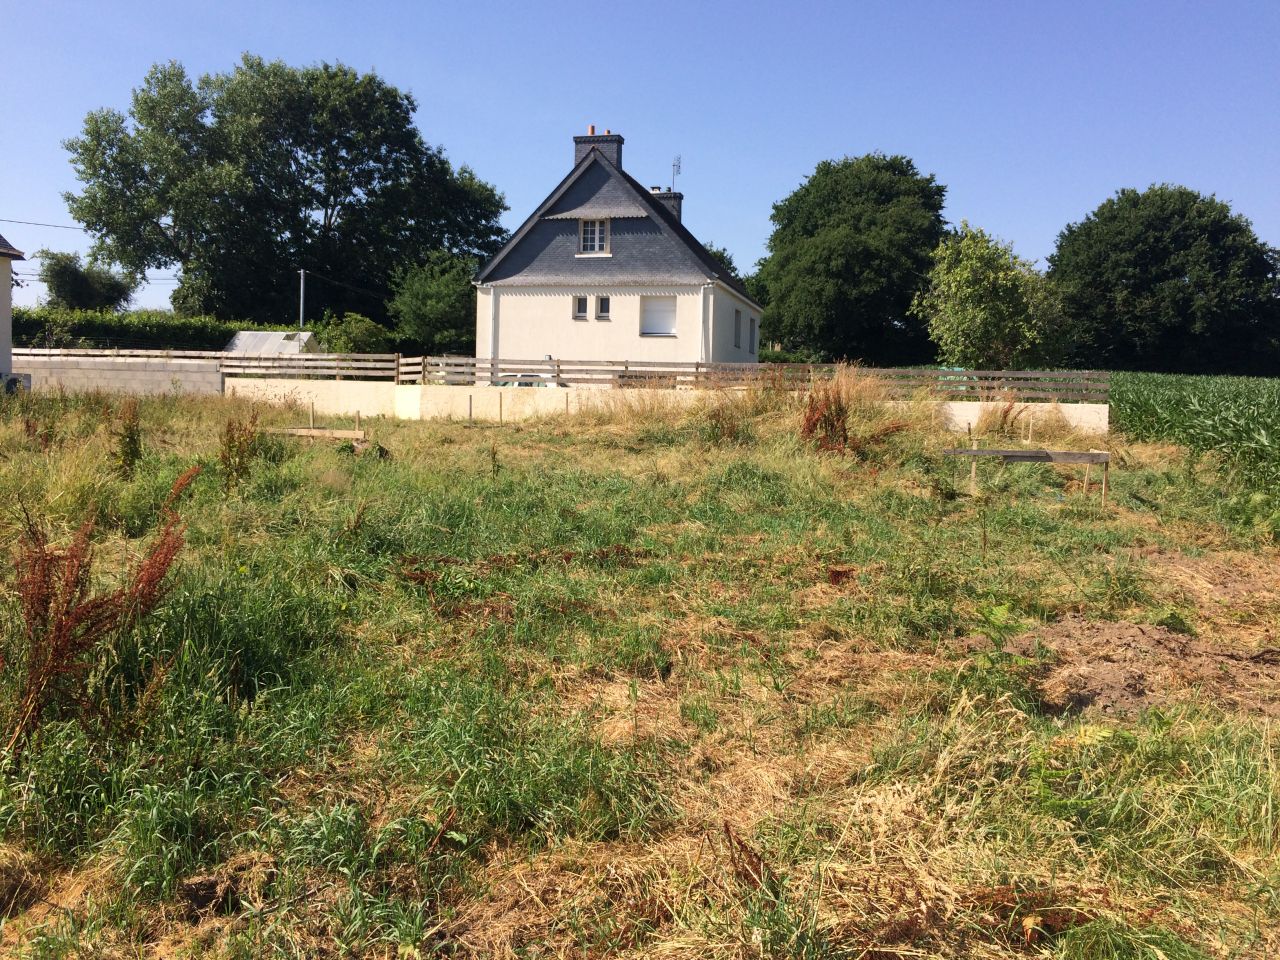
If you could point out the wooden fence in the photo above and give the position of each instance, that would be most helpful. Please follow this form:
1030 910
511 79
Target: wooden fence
1081 386
1066 386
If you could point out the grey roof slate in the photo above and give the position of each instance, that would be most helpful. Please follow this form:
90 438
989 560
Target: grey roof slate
651 246
9 251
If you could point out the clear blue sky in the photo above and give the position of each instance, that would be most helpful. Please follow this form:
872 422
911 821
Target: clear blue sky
1031 113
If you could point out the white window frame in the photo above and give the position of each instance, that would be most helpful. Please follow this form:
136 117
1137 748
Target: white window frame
737 329
603 304
586 305
598 246
675 316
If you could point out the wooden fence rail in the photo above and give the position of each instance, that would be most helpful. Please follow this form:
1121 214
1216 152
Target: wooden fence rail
1080 386
1085 386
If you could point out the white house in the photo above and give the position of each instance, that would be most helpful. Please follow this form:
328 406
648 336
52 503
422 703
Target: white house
605 270
8 253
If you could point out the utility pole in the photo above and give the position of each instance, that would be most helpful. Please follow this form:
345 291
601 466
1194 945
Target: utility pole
302 295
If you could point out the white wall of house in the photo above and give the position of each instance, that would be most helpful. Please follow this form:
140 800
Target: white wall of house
534 322
723 349
6 316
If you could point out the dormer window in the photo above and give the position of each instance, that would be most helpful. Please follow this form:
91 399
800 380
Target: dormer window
593 236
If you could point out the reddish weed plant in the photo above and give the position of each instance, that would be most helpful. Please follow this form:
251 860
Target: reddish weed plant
64 623
846 414
239 442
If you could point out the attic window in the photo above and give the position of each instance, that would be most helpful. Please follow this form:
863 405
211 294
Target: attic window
593 236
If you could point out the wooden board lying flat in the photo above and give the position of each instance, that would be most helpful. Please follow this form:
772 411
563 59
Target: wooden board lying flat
317 432
1034 456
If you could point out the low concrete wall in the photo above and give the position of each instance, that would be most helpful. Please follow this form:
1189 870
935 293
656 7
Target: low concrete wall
380 398
369 398
122 375
486 403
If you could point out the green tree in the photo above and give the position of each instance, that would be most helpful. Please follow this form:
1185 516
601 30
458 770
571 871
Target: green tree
353 333
988 307
241 179
80 286
724 258
1169 279
850 249
435 304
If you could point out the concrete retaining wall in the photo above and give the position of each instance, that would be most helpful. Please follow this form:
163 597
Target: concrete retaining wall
378 398
122 375
428 402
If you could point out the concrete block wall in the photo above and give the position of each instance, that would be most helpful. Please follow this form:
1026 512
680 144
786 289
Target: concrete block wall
122 375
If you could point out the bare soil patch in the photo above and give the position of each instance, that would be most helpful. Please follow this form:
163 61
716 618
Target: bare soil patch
1122 667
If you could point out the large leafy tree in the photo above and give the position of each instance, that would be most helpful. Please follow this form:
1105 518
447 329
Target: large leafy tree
435 304
850 249
1169 279
79 286
988 307
243 178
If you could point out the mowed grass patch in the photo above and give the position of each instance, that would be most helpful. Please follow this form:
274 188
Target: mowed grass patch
671 681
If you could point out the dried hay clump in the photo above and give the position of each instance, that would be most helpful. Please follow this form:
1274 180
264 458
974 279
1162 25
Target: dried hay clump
20 880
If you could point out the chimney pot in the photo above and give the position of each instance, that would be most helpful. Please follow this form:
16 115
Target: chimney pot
607 131
609 145
671 199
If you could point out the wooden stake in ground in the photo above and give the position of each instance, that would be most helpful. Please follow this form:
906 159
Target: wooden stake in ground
973 467
1106 474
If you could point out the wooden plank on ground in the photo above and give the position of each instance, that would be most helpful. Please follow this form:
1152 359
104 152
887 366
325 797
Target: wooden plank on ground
317 432
1034 456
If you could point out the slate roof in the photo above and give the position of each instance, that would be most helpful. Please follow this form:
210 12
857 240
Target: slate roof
9 251
664 251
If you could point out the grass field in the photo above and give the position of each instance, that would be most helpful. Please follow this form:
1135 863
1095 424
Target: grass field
653 683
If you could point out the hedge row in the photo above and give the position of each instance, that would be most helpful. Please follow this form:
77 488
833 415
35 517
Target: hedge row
136 329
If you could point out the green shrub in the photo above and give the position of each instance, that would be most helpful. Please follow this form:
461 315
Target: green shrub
135 329
354 333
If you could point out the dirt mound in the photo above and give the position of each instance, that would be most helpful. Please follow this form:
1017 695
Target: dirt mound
1126 667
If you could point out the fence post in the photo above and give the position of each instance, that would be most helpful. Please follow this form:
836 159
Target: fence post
397 373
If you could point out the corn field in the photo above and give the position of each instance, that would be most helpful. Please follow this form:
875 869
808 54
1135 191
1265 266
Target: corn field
1237 419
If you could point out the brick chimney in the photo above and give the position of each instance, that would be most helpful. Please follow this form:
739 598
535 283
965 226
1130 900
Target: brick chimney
608 143
670 199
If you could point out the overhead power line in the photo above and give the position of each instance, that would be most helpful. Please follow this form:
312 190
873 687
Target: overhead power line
34 223
339 283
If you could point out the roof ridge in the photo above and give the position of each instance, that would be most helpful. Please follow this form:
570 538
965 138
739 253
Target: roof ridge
660 212
9 251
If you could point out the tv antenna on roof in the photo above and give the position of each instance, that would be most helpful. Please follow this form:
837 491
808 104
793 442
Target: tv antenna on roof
675 169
